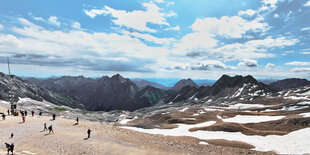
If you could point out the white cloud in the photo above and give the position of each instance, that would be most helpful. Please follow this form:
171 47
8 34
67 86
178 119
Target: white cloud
307 3
229 27
53 20
298 63
271 3
171 14
1 26
248 63
170 3
76 43
276 15
38 18
94 12
248 13
305 53
208 64
301 70
203 65
159 1
305 29
148 37
270 42
137 19
197 42
176 28
270 66
76 25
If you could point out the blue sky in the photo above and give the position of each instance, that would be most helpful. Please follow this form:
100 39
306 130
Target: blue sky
199 39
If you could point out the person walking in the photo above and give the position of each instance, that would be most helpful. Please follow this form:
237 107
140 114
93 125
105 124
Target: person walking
88 133
54 116
32 113
77 121
45 128
8 111
25 112
50 128
3 116
12 148
24 118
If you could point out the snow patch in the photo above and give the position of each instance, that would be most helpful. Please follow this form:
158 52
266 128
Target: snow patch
184 109
293 143
251 119
245 106
307 114
203 143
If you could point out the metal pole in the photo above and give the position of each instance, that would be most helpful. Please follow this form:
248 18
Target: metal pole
11 91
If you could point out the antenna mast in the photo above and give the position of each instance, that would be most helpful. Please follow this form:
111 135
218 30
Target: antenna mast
11 96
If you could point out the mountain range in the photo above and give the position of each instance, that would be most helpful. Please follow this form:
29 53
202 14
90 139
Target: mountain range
119 93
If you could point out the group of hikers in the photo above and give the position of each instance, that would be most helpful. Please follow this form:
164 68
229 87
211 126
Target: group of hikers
10 147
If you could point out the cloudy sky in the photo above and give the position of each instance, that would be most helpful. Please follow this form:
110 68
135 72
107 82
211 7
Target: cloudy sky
200 39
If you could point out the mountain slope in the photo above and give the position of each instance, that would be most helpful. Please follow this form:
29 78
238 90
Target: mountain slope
183 83
115 93
22 88
143 83
290 83
226 88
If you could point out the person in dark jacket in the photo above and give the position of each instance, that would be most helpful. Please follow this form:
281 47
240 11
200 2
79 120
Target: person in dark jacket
45 128
77 121
3 116
50 128
54 116
88 133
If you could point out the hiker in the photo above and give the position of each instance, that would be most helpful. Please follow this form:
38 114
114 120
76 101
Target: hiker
77 121
50 128
12 135
3 116
40 113
45 128
10 147
25 112
8 111
32 113
88 133
24 118
54 116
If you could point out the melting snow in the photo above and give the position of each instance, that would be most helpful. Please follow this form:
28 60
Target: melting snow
293 143
251 119
292 108
125 121
238 92
182 110
297 98
307 114
306 93
245 106
304 103
203 143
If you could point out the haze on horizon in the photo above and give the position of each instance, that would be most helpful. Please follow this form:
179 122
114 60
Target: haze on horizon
201 39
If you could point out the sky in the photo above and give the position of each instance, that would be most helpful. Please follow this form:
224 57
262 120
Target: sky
199 39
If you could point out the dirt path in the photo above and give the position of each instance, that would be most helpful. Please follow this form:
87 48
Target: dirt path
71 139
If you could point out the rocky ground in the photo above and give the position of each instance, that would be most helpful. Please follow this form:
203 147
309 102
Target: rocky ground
105 139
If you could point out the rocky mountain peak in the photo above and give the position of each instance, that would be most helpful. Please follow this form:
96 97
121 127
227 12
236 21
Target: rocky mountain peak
184 82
